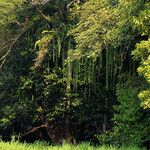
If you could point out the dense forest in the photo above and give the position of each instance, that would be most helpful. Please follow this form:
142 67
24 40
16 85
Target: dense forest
75 70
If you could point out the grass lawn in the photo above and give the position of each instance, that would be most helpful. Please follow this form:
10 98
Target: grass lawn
42 146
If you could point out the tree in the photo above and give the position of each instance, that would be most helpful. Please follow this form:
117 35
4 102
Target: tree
142 52
61 63
131 121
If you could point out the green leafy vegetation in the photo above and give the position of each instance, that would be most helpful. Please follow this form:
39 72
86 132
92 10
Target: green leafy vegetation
75 70
44 146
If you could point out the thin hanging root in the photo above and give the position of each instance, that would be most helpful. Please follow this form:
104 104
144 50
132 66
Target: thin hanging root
107 68
59 46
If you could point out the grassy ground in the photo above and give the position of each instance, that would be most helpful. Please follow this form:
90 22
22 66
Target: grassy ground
42 146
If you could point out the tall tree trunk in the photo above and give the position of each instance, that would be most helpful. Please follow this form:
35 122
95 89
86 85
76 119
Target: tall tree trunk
105 116
104 122
67 119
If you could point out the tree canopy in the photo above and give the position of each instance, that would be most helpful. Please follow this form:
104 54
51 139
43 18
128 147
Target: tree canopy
77 70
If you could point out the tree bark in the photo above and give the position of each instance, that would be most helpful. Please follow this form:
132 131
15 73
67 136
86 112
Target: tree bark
67 118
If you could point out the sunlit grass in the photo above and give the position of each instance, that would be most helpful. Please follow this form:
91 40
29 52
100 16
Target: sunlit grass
43 146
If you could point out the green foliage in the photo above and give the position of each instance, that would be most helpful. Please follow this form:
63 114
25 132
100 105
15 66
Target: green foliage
61 63
142 53
8 10
97 21
142 21
131 123
65 146
106 28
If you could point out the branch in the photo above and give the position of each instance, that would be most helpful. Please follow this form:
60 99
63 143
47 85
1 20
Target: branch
10 48
47 19
45 2
2 63
37 2
35 129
